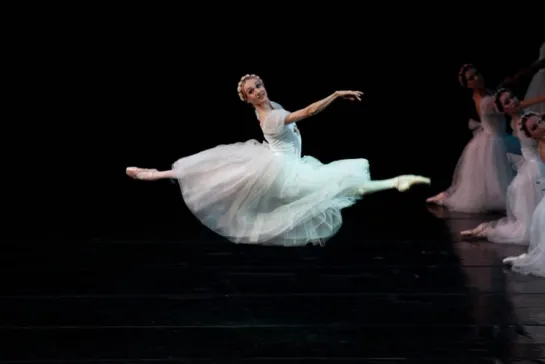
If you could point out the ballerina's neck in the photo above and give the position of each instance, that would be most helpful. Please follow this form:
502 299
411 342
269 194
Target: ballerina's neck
263 109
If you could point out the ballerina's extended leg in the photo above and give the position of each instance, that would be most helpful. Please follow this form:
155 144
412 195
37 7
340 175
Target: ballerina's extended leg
401 183
147 174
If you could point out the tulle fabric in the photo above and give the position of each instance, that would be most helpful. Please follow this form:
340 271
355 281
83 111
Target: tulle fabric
522 199
255 193
537 85
533 262
481 177
483 172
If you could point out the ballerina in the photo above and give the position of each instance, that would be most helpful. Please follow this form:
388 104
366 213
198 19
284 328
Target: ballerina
483 171
522 198
533 262
268 193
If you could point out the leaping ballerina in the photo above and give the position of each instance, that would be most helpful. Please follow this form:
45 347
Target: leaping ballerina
268 193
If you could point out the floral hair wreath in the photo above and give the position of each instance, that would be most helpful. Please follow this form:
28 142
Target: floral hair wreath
527 115
497 95
461 73
241 83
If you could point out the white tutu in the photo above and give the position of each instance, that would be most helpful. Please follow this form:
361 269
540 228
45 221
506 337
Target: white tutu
263 193
522 199
483 172
537 85
533 262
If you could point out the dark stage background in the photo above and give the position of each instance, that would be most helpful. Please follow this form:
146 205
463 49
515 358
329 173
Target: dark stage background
99 96
101 89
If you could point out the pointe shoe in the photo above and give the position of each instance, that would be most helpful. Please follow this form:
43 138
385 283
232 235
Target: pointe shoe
141 173
438 199
510 260
406 182
479 231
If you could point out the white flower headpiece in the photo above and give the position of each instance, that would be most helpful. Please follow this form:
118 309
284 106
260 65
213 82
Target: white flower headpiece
241 83
527 115
462 71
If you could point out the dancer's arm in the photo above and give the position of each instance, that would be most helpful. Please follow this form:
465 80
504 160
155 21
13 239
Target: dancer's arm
526 103
530 102
319 106
516 78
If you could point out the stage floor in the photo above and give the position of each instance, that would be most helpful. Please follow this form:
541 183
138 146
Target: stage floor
396 285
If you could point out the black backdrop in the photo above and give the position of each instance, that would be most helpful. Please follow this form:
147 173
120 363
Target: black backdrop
111 94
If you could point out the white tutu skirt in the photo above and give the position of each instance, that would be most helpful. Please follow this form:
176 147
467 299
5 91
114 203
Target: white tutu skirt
522 199
533 262
249 195
482 176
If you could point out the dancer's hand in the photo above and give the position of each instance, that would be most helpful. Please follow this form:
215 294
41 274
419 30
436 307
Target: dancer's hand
350 95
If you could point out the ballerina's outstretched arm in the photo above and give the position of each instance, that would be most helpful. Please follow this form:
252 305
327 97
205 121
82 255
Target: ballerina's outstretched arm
533 101
516 78
319 106
527 103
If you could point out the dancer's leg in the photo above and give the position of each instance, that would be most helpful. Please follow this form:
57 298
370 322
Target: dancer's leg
401 183
149 174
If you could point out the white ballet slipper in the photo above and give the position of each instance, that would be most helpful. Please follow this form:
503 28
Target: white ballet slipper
404 183
437 199
479 231
511 260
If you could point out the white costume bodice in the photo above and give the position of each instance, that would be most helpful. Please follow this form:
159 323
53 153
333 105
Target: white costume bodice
528 145
492 121
282 139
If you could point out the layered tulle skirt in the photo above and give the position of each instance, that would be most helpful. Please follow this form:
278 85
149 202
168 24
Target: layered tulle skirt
249 195
482 175
522 199
533 262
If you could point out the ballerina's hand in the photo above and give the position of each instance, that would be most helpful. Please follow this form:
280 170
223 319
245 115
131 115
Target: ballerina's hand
350 95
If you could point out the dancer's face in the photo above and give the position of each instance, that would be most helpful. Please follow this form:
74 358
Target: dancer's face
509 102
474 78
255 91
536 127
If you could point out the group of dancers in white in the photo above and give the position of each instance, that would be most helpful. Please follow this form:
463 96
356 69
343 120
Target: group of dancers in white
499 171
270 193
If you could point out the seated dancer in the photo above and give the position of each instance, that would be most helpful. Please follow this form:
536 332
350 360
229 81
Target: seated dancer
533 262
268 193
522 197
483 171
